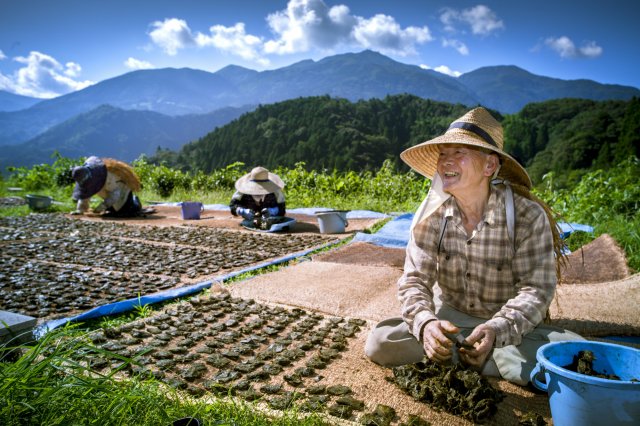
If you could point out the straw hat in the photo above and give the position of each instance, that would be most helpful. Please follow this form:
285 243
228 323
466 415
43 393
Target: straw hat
124 172
259 181
90 178
476 128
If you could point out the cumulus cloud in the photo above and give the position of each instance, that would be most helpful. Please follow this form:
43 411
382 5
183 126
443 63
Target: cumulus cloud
457 45
72 70
303 26
42 76
234 40
383 33
2 55
566 48
171 35
308 24
136 64
443 69
480 19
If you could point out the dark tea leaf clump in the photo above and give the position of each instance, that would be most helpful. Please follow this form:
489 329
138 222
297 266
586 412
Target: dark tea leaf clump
451 388
583 364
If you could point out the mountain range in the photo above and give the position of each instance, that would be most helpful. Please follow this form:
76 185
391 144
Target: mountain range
138 112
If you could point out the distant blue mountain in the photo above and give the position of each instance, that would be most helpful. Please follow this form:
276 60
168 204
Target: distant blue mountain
13 102
112 132
509 88
354 76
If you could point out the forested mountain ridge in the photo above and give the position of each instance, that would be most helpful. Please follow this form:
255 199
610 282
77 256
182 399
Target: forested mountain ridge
566 135
572 136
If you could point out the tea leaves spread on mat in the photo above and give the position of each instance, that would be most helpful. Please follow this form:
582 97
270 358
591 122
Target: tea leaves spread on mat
450 388
52 266
223 345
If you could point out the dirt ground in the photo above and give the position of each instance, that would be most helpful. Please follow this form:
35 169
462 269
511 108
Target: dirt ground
172 216
598 297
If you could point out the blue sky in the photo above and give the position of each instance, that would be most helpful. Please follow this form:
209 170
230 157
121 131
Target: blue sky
52 47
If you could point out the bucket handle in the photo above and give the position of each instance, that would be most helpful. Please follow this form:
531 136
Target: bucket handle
536 373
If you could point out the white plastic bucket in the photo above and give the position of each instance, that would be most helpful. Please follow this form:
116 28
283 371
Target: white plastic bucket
332 221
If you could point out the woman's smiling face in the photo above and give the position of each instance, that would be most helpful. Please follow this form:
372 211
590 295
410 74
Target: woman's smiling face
463 168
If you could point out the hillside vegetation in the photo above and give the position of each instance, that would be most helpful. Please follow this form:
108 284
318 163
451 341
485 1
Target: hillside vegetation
568 136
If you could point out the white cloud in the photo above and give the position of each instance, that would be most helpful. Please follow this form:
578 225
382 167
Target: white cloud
480 19
566 48
171 35
443 69
136 64
72 69
303 26
42 76
457 45
2 55
307 24
234 40
383 33
310 24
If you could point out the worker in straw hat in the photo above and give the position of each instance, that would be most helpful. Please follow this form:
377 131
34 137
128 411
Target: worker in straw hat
482 260
112 180
258 193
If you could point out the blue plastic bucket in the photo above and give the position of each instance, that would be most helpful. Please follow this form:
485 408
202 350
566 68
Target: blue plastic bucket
191 209
579 399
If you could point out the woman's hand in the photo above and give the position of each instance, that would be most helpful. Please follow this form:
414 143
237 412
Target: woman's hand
437 346
482 339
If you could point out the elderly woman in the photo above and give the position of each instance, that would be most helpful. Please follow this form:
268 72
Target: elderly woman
481 260
259 192
112 180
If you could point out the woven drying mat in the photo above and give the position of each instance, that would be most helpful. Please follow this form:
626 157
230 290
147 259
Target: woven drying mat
367 292
602 260
359 253
369 382
602 309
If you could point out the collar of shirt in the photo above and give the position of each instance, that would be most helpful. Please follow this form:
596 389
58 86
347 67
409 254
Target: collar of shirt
452 212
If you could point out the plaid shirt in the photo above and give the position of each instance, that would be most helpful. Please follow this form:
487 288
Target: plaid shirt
482 275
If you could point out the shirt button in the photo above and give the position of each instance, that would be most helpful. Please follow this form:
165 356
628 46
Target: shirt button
468 274
446 257
469 242
471 305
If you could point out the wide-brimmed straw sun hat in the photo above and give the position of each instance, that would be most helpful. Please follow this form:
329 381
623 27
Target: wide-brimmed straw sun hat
90 178
259 181
477 128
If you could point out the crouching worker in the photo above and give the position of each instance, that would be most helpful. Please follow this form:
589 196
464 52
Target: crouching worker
258 197
491 247
114 181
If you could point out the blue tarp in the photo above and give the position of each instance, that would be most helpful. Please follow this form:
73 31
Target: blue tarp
395 233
